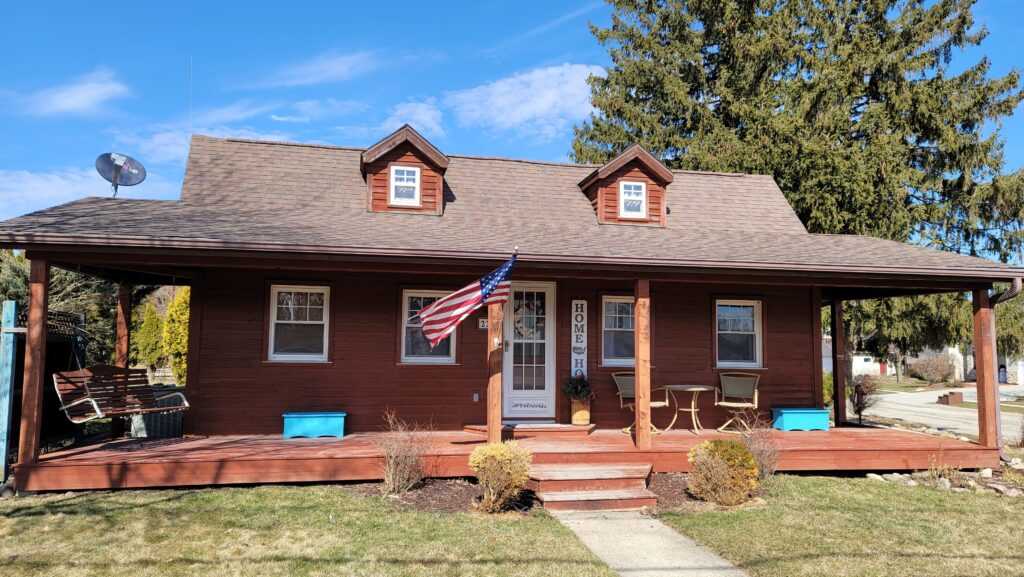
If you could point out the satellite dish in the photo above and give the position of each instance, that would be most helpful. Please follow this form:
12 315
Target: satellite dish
120 170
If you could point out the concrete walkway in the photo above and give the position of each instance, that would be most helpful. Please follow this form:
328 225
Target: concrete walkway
921 408
635 545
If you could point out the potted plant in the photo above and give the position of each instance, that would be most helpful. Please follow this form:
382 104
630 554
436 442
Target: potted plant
577 388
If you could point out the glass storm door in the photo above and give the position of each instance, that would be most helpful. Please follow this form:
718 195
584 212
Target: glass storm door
529 363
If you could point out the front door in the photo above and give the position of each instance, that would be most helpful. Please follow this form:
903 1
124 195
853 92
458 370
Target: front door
528 377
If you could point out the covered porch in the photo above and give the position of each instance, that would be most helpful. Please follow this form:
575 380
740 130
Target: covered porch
232 460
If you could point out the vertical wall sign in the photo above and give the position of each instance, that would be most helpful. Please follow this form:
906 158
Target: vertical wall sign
7 317
579 337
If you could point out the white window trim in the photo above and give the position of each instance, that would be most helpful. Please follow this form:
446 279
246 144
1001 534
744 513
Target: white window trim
414 360
392 199
299 358
622 201
605 361
758 335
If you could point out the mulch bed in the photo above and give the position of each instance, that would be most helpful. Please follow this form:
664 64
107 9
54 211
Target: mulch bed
440 496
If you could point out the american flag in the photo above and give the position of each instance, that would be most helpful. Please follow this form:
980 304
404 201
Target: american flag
440 318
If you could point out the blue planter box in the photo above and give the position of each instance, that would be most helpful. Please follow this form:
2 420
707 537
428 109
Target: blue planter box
314 425
800 419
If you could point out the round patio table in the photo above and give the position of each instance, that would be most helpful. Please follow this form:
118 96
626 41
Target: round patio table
695 391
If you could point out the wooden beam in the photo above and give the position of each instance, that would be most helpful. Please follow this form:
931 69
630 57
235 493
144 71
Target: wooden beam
495 341
984 368
642 361
196 306
34 373
122 343
838 363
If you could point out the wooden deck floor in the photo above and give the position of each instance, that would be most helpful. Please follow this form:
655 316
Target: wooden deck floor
225 460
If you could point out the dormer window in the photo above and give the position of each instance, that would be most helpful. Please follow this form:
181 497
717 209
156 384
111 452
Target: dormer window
405 186
632 199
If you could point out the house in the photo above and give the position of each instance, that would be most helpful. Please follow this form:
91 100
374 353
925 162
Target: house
308 264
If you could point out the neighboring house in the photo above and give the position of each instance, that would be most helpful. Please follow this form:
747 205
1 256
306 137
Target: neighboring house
309 262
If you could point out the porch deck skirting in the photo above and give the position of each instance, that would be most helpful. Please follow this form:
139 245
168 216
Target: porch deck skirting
254 459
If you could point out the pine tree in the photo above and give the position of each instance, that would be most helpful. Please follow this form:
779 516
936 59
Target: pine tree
147 340
851 105
175 338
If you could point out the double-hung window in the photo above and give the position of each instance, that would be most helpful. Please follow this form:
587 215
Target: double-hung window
299 318
415 347
617 331
404 186
738 333
632 199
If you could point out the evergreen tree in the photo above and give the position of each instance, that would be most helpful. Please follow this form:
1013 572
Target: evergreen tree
850 104
147 340
175 338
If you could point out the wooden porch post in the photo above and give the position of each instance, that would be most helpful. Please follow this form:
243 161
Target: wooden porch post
495 339
35 363
838 362
642 361
984 368
122 344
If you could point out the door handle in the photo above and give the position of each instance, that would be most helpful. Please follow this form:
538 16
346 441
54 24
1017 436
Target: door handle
505 346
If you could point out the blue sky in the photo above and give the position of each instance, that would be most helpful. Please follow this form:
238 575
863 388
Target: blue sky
485 78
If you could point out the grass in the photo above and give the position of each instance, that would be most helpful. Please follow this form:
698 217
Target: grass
845 527
907 384
1005 407
314 530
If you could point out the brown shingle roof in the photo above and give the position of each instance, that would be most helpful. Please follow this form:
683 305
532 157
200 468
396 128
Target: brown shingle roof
287 197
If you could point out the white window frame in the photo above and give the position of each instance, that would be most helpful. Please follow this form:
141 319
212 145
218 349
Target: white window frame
622 200
605 361
394 200
758 335
326 322
416 360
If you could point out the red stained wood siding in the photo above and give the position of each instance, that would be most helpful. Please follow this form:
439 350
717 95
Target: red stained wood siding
604 195
378 178
234 390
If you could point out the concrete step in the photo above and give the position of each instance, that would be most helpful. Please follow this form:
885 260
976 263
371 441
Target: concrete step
602 500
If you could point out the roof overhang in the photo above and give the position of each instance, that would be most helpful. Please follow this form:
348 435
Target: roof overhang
659 171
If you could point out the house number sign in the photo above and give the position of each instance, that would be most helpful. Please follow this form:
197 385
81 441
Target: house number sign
579 338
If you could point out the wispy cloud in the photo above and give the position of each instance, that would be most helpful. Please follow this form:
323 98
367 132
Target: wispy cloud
541 103
234 112
542 28
23 191
318 109
84 95
424 116
325 68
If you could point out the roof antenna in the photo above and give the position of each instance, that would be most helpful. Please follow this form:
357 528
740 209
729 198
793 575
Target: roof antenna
120 170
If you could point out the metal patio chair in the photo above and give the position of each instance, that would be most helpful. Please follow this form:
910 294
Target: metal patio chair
626 383
737 393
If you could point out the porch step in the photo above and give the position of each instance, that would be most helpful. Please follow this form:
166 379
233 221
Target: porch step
582 487
604 500
539 430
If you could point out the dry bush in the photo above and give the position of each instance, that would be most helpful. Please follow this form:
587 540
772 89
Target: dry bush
863 394
758 439
1020 442
935 369
403 445
937 470
502 470
723 472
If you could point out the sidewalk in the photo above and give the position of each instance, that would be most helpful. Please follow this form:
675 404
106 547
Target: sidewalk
636 545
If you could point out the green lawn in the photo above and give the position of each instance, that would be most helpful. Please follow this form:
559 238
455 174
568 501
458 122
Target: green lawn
905 385
316 530
842 527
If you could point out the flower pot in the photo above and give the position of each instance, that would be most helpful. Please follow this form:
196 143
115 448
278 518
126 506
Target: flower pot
581 411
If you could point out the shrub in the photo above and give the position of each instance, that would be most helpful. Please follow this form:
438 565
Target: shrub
403 447
722 472
758 439
577 387
938 469
502 470
863 394
934 369
826 388
147 342
176 335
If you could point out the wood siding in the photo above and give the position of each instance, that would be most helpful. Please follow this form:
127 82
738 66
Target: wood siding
234 390
378 178
604 196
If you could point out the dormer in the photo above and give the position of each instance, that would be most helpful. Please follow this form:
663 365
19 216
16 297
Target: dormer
629 189
404 173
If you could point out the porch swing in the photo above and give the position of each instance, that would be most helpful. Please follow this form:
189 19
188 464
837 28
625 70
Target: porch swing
101 391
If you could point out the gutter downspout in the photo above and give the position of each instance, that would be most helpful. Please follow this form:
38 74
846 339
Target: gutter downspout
995 299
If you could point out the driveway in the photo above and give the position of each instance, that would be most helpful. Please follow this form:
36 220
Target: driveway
921 408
